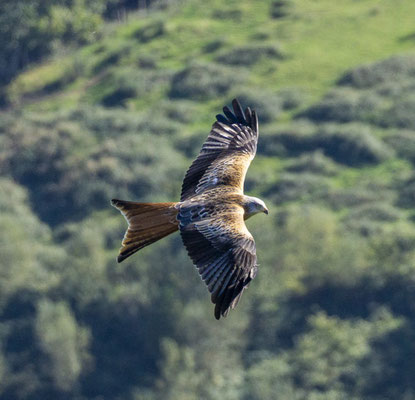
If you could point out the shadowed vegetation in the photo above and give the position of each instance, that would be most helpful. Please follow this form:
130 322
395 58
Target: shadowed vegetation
114 98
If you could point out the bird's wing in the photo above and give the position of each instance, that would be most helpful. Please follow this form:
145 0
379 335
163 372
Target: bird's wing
226 153
222 249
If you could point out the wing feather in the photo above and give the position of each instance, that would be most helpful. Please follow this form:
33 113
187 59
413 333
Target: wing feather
222 249
226 153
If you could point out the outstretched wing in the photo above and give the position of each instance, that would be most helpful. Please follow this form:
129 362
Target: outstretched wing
222 249
226 154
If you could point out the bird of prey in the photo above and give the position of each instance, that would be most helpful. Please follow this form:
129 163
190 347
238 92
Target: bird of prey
211 212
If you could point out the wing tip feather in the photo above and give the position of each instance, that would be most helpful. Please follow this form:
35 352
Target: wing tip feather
121 258
238 115
114 202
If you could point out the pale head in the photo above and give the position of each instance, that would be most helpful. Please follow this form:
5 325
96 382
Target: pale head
253 206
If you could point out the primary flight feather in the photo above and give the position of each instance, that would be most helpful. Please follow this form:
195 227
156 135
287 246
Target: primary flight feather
211 212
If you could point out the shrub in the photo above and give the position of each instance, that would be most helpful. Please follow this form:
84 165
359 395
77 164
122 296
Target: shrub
147 61
116 9
406 198
353 197
343 105
381 212
291 98
203 81
289 140
395 89
400 114
249 54
280 8
189 143
230 14
297 187
366 228
266 104
119 96
151 31
120 85
115 87
351 144
124 168
392 69
403 142
213 45
104 122
160 125
182 111
60 76
111 123
314 163
110 59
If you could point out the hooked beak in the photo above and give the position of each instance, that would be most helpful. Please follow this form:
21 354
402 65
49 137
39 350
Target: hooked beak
266 211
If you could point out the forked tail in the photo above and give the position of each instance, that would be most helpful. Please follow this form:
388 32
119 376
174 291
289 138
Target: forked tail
147 223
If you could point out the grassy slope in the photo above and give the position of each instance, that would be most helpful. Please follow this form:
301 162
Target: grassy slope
320 39
328 38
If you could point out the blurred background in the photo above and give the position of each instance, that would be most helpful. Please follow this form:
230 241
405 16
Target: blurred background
114 98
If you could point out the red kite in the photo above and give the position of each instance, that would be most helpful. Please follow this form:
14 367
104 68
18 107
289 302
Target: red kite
211 212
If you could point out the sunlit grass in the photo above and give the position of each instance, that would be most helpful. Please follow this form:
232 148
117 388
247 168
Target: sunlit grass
320 39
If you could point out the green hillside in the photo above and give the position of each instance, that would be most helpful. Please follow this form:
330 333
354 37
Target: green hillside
114 98
315 43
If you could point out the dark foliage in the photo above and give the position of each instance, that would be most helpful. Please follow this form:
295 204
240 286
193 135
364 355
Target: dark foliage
403 142
375 212
64 187
227 14
297 187
150 31
314 163
203 81
339 199
287 140
266 104
249 54
147 62
25 39
124 84
406 188
213 45
110 59
392 69
400 114
344 105
280 8
350 144
292 98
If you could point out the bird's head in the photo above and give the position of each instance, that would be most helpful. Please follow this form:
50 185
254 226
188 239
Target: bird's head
255 206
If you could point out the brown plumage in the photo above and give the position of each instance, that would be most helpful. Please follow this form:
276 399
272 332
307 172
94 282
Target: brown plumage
147 223
211 212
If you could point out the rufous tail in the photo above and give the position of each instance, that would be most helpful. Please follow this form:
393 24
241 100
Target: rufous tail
147 223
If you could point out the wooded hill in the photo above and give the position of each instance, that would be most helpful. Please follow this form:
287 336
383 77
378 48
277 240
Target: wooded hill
114 98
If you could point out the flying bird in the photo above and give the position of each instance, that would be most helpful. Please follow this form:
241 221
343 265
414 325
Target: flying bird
211 212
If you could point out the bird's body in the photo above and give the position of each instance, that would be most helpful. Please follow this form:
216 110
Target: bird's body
220 201
211 212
